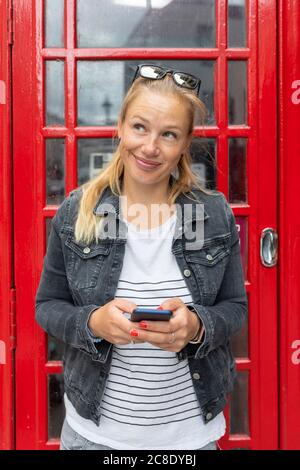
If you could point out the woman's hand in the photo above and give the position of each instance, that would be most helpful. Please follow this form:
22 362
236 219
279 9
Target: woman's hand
109 322
172 335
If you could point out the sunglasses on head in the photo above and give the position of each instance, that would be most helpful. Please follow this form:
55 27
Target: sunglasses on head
155 72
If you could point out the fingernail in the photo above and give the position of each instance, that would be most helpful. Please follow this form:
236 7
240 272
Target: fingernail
143 324
160 308
134 333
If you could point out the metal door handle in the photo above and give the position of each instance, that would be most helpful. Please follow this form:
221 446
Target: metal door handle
269 247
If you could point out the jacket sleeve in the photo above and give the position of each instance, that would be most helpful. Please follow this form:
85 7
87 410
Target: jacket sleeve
55 309
227 315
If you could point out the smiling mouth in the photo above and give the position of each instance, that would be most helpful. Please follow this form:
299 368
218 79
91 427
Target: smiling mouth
146 163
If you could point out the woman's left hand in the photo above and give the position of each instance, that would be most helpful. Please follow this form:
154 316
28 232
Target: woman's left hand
172 335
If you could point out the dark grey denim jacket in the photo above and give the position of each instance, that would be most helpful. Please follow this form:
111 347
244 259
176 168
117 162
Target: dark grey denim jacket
77 279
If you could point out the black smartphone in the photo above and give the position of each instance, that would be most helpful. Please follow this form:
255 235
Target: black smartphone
141 313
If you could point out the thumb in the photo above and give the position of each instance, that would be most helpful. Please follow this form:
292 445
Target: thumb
125 305
171 304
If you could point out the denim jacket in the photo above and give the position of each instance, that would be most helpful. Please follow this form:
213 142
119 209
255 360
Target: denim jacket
77 279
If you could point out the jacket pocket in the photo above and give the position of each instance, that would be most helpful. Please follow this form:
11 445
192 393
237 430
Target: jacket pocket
85 262
208 266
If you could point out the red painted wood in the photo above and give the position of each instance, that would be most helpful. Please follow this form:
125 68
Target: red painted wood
31 210
289 236
6 284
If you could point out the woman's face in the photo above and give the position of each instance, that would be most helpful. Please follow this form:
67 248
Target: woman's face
153 135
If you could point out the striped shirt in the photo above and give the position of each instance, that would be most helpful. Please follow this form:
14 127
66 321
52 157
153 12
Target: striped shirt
149 401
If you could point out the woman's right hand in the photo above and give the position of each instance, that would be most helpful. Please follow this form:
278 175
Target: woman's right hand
109 322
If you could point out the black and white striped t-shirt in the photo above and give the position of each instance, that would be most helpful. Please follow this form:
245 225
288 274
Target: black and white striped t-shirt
149 400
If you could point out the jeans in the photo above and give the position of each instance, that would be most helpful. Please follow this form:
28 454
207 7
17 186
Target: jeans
71 440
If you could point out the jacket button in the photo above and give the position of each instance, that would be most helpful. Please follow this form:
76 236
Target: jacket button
209 257
86 250
196 376
187 273
209 416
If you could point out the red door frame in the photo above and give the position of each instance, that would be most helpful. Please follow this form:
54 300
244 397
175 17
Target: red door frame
7 343
289 203
32 367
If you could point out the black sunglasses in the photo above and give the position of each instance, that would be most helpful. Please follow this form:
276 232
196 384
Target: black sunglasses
155 72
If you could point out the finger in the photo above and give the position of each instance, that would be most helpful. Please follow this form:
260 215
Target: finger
150 336
155 326
172 304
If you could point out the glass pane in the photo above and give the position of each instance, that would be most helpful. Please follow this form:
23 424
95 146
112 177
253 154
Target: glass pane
236 23
203 152
55 93
55 170
99 98
145 23
239 410
56 407
237 89
55 349
242 226
54 23
237 152
93 155
239 342
48 229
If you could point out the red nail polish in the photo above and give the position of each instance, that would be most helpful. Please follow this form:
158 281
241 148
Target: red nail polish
134 333
143 324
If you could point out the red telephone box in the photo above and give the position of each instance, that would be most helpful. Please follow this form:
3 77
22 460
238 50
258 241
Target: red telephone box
64 118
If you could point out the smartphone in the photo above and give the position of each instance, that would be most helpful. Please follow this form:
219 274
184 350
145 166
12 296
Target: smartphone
141 313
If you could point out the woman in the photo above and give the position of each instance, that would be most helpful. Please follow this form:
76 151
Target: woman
152 384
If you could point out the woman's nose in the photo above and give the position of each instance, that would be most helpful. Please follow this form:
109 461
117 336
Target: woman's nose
150 146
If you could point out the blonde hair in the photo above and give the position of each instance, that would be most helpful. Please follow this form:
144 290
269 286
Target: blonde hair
111 176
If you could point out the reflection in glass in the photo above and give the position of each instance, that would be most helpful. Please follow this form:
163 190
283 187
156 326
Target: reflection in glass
103 84
93 155
237 153
236 23
237 89
54 23
239 342
239 409
56 408
55 94
145 23
203 152
55 349
242 227
55 170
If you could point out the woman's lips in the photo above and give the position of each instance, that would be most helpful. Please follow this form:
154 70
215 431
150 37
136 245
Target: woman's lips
144 164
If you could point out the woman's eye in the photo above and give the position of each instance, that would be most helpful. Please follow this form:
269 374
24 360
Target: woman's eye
170 135
138 126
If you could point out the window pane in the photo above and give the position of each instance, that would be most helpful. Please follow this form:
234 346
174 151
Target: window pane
55 93
242 227
54 23
93 155
145 23
237 88
239 411
55 175
55 349
203 152
236 23
239 342
237 170
56 408
103 84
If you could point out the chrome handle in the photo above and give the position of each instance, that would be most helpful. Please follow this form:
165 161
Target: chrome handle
269 247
